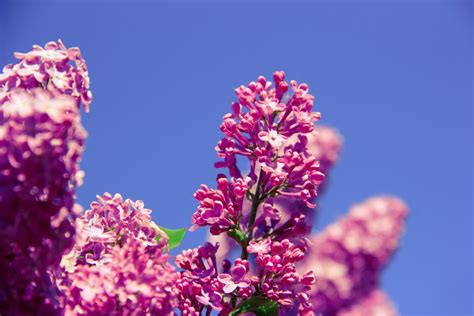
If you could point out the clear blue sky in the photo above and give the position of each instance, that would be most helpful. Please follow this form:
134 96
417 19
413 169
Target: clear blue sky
394 77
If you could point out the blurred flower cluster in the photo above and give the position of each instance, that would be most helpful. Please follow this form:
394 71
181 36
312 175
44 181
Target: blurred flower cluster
349 255
113 259
41 143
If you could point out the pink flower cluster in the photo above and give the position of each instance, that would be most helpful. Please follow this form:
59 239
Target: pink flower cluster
375 303
202 287
261 128
278 278
258 128
325 144
54 68
221 208
138 280
108 223
349 254
41 143
119 264
199 285
346 286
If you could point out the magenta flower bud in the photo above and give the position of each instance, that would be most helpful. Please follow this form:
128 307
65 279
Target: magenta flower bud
278 76
236 108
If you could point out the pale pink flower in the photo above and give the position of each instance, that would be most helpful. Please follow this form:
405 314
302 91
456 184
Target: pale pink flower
97 233
273 138
257 247
270 106
236 279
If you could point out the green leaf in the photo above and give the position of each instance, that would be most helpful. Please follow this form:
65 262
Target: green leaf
175 236
259 305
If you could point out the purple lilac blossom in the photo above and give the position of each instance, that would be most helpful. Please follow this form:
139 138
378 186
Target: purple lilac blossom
138 280
242 208
41 143
198 284
119 264
325 143
258 127
54 68
349 254
326 147
376 303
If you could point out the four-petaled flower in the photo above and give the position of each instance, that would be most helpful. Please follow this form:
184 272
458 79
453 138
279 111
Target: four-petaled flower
271 106
273 138
236 279
262 246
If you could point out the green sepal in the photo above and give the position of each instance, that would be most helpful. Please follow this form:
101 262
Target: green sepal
236 235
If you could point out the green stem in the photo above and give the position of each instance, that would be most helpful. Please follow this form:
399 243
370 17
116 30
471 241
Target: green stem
256 200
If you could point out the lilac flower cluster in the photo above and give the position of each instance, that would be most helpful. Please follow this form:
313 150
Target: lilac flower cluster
119 264
137 281
241 208
258 128
199 287
349 255
278 277
109 222
325 143
375 303
41 142
54 68
221 208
